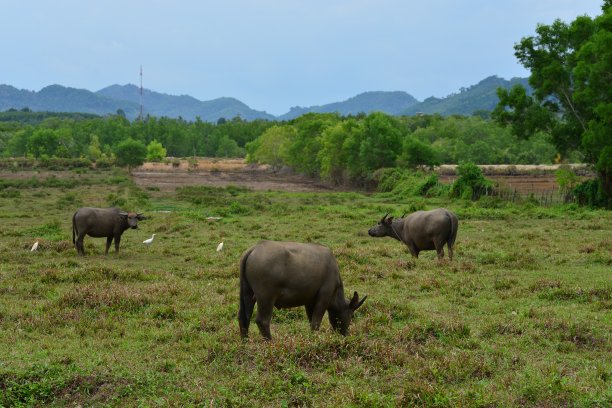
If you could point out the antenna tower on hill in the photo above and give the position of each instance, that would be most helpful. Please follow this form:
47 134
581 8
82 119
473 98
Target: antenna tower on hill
140 117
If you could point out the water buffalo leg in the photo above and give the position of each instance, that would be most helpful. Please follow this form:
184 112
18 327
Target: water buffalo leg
264 316
439 249
117 241
79 244
245 311
414 251
309 309
109 240
317 314
450 252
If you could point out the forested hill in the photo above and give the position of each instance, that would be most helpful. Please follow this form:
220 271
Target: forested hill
393 103
187 107
57 98
479 97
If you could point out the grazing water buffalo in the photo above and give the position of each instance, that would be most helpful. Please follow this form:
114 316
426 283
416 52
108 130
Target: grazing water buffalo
290 274
102 222
421 231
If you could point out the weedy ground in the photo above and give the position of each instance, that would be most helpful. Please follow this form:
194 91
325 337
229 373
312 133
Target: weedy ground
521 317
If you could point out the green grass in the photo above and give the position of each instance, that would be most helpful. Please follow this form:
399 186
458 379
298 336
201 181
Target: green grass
521 317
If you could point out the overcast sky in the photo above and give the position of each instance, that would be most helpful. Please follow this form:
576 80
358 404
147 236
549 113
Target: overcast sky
271 54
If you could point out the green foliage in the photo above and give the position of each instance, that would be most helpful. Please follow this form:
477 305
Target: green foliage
155 151
566 178
590 193
130 152
471 183
271 147
570 65
416 153
409 183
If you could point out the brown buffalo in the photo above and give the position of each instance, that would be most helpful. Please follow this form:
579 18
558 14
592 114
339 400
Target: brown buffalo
102 222
291 274
421 231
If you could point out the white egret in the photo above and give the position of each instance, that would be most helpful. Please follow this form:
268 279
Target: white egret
220 246
34 247
149 241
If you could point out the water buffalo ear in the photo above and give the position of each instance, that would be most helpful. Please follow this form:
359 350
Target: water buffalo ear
140 217
123 214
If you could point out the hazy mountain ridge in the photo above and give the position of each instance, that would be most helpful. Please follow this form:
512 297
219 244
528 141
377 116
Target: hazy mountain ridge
57 98
479 97
185 106
393 103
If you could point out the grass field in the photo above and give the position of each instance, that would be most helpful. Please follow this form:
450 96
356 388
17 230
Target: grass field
521 317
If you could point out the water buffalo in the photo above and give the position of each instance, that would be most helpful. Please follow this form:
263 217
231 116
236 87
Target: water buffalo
291 274
102 222
421 231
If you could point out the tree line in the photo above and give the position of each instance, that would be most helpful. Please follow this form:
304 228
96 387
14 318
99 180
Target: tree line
337 148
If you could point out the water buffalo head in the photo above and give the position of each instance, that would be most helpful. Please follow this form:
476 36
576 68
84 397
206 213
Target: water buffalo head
340 318
132 218
383 228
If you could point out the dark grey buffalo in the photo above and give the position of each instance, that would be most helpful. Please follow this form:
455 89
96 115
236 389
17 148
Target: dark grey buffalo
291 274
102 222
421 231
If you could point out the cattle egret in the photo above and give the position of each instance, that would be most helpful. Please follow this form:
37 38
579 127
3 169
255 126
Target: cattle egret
220 247
149 241
34 247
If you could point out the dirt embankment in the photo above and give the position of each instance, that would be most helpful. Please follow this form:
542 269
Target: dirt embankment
524 179
221 173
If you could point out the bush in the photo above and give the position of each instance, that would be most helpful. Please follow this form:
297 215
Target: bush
471 184
590 193
406 183
155 151
130 152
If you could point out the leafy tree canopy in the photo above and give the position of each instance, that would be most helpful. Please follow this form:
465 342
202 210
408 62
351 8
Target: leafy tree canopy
571 66
130 152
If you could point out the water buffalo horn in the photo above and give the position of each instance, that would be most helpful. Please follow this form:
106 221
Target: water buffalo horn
361 303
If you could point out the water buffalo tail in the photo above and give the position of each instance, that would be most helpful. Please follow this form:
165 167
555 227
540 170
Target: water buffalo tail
73 227
453 230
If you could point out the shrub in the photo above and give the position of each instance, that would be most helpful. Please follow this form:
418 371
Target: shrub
590 193
471 184
155 151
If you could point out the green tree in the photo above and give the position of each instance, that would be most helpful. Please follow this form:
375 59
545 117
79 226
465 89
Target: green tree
272 145
43 142
93 150
381 141
130 152
570 68
416 153
155 151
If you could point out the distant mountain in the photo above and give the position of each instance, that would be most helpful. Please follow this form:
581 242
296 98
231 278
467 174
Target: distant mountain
482 96
187 107
393 103
57 98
